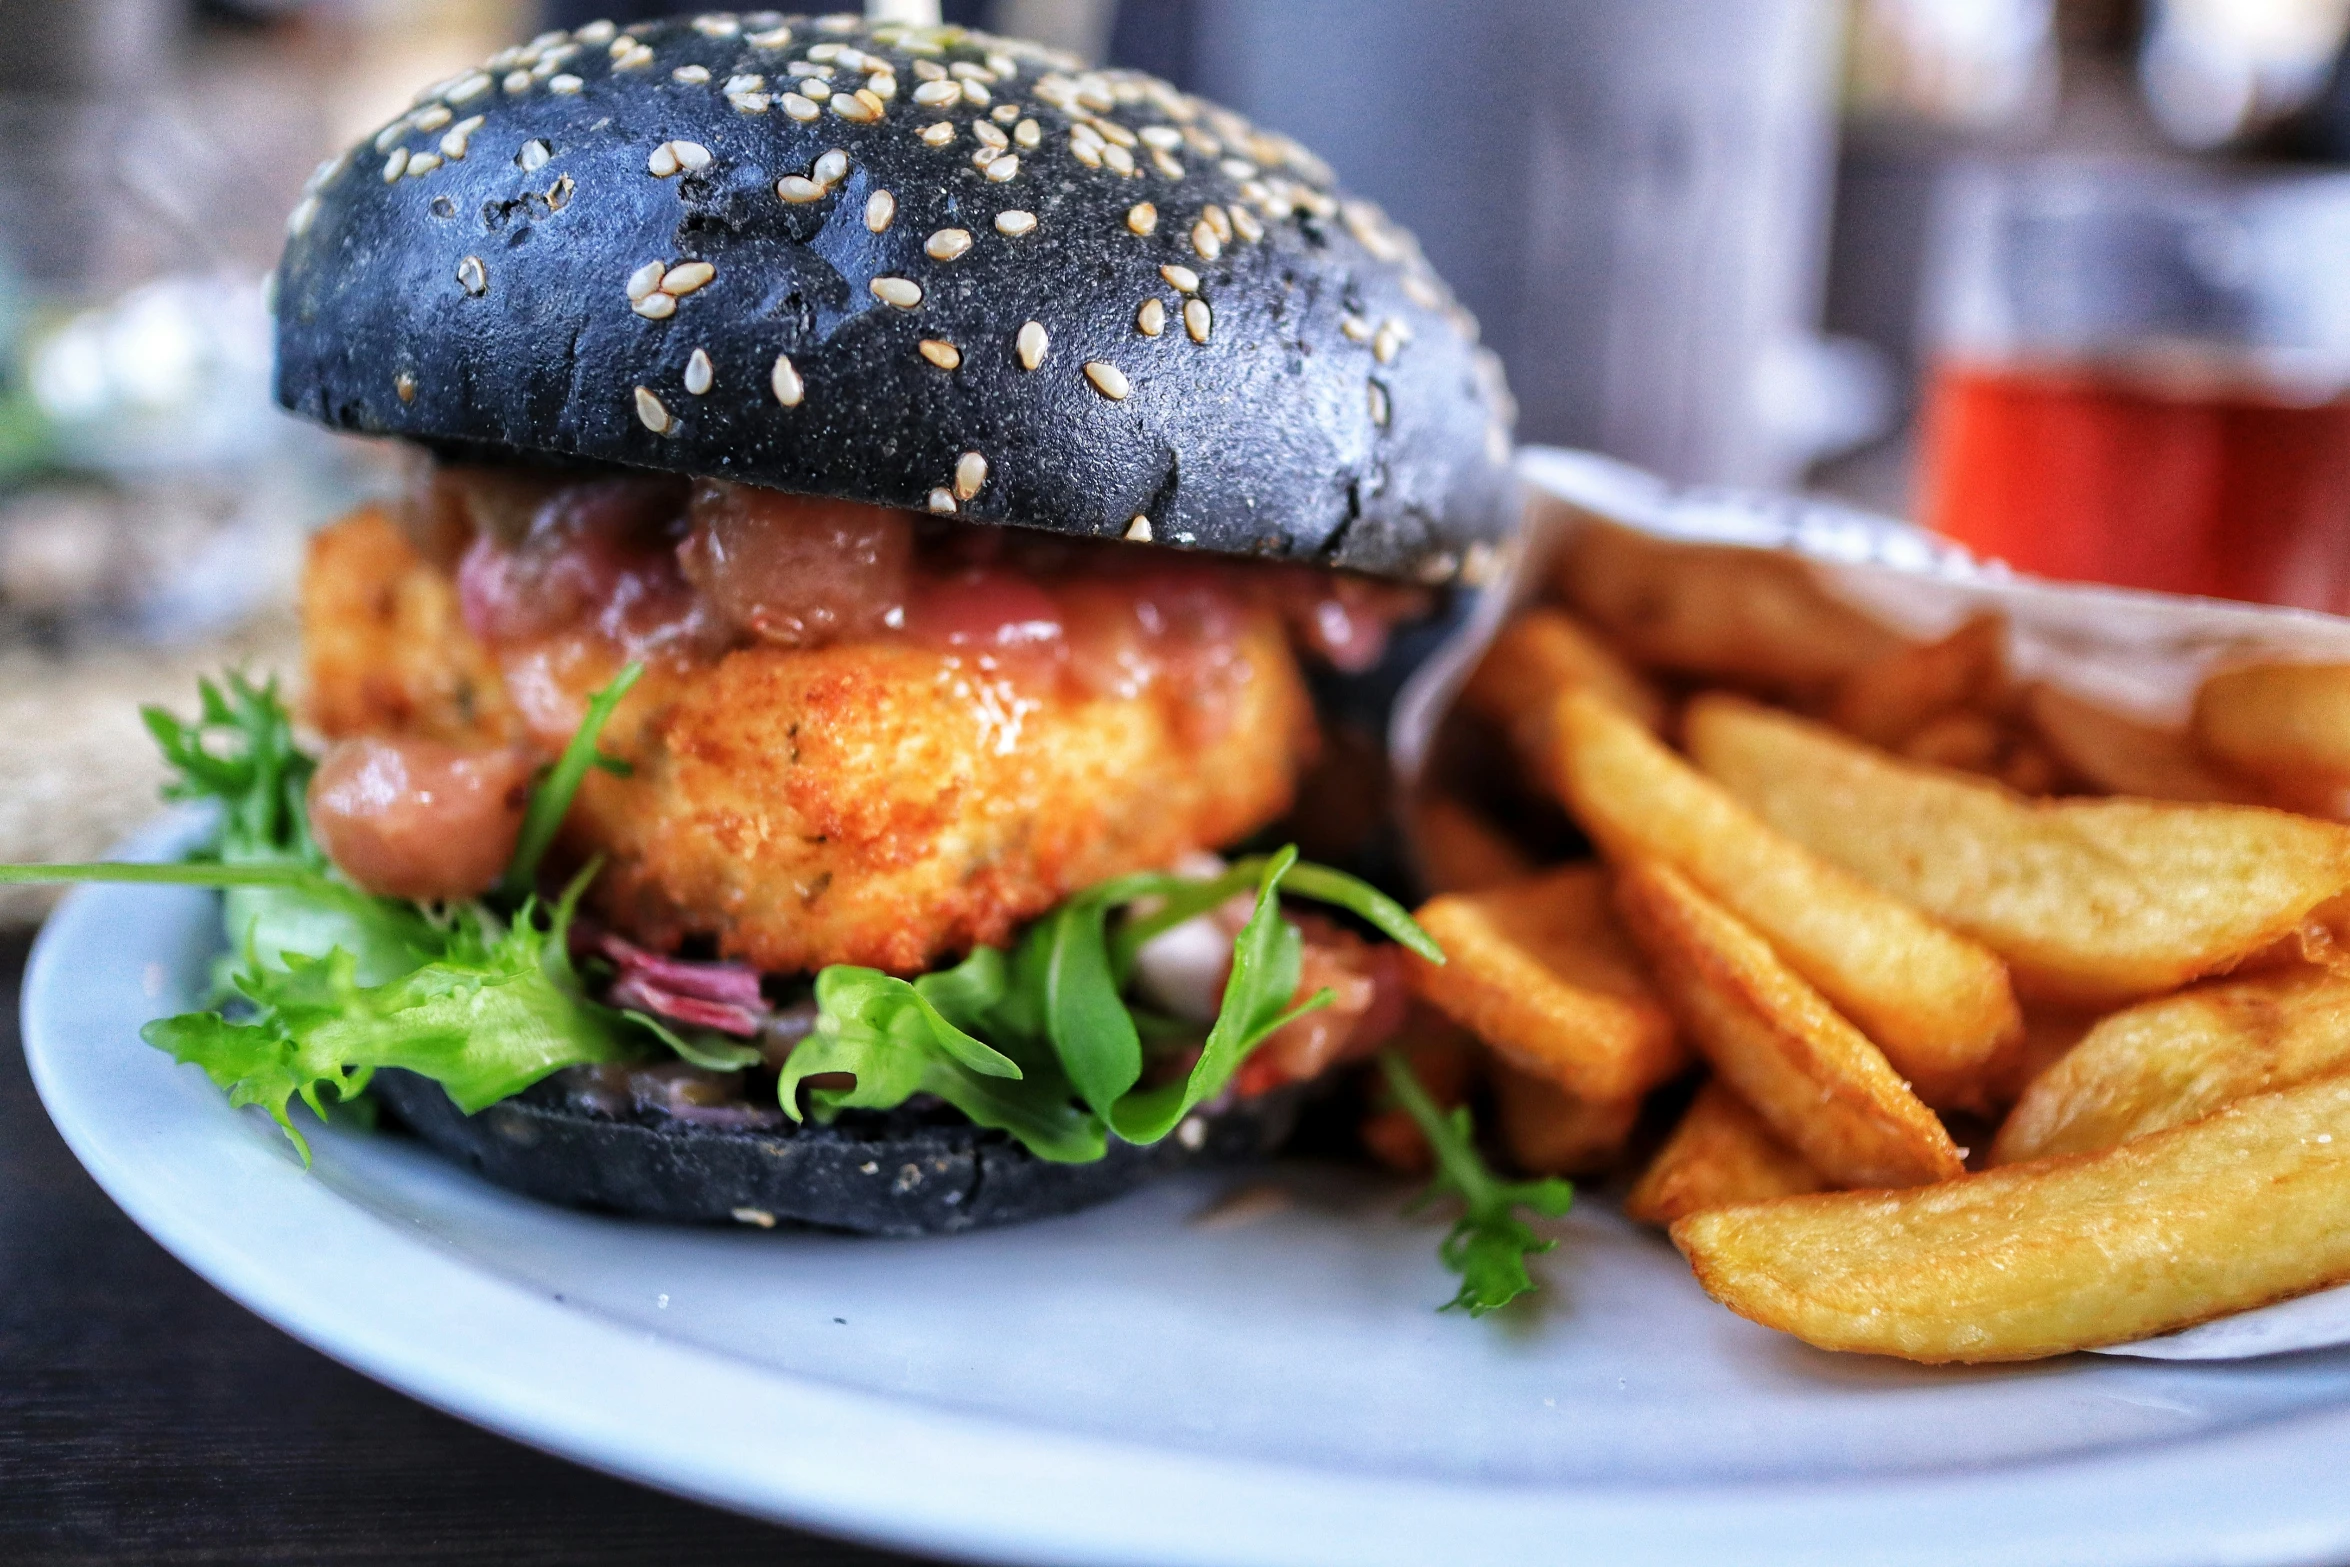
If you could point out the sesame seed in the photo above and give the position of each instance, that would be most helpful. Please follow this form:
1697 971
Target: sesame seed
1139 530
749 102
862 109
938 94
930 71
423 163
742 82
534 155
1005 113
826 52
902 292
1151 319
970 72
1111 131
1085 134
1030 344
800 107
771 38
596 32
810 68
882 85
984 156
404 385
1354 329
1028 133
1163 136
431 117
304 214
815 90
1245 224
1107 379
942 501
976 93
1387 344
564 84
970 475
663 161
655 306
699 373
938 133
1218 219
717 26
1003 168
651 413
947 244
468 89
459 141
622 44
691 75
1166 165
1182 279
1013 223
798 188
992 135
1142 217
941 353
559 194
516 83
880 208
786 383
1118 158
831 168
635 60
395 165
1086 152
1379 406
1003 65
1197 318
686 276
1420 292
1204 240
473 277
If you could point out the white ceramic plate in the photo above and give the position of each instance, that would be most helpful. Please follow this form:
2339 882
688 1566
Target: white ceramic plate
1131 1386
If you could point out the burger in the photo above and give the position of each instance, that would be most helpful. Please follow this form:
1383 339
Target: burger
903 526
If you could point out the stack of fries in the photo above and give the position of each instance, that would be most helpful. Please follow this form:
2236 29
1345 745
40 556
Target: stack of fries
1870 894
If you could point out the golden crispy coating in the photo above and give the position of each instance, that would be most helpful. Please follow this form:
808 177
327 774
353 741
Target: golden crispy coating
862 803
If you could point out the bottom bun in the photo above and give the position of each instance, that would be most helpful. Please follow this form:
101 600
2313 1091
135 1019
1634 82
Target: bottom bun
914 1170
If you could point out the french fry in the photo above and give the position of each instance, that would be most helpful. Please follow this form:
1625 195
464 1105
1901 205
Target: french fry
2243 1207
2285 724
1887 701
1812 1077
1460 851
1540 972
1937 1003
2049 1032
1445 1060
1540 653
2181 1057
2092 902
2126 755
1721 1153
1549 1131
1747 616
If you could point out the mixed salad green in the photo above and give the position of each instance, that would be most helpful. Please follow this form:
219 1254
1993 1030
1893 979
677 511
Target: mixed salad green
1048 1042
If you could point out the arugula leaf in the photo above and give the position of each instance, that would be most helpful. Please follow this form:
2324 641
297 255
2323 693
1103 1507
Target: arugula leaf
1084 1016
1489 1244
499 1010
1266 959
551 801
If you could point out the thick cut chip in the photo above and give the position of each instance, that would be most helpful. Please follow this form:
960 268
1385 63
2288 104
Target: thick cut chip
1539 971
2127 755
1460 850
1549 1131
2286 724
2181 1057
1541 653
1721 1153
1937 1003
1888 701
1750 617
2092 902
2246 1206
1813 1078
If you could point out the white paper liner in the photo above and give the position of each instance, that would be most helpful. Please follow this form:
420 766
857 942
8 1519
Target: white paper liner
2141 653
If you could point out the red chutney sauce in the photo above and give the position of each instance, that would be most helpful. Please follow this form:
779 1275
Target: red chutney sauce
689 570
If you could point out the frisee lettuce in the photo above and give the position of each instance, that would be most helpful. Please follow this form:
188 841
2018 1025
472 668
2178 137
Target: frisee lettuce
1489 1244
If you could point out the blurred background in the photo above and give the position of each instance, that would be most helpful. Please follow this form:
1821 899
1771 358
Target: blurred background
2067 279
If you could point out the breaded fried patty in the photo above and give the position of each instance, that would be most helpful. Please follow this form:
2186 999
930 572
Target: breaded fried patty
872 801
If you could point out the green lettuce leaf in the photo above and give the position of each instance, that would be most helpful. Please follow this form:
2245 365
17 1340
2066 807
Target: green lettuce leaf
1489 1244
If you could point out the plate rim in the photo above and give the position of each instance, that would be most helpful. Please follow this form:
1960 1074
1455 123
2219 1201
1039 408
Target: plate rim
903 1474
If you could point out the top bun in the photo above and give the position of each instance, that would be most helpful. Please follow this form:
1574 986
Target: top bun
915 266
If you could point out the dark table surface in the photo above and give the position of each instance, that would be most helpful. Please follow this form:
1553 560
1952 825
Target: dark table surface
147 1420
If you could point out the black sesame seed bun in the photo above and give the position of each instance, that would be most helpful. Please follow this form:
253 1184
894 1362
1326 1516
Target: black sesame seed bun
909 1171
1023 293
